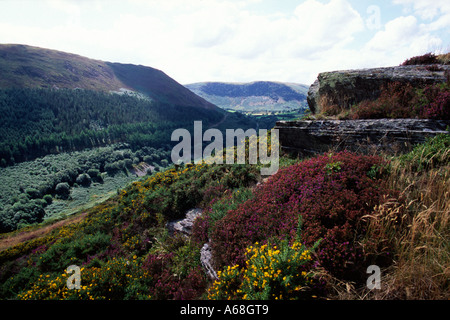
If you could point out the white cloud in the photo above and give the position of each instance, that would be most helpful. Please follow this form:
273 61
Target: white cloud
199 40
402 38
398 32
434 20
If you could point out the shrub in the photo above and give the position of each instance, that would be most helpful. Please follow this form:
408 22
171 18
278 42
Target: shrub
63 190
434 153
166 285
33 193
84 180
439 107
428 58
112 168
48 198
93 173
331 203
399 100
396 100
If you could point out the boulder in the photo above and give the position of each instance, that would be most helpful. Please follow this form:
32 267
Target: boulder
348 87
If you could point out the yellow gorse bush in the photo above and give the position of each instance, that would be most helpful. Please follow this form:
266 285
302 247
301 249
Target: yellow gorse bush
97 283
271 272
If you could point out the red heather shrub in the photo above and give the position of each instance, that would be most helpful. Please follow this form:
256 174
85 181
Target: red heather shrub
428 58
437 103
200 230
398 100
331 192
166 285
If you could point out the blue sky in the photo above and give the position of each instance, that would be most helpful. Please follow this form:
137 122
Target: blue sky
233 40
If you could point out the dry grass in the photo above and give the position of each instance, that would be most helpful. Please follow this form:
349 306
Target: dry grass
422 268
419 230
444 58
333 110
416 225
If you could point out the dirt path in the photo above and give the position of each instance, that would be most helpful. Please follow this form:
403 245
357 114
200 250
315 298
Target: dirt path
20 237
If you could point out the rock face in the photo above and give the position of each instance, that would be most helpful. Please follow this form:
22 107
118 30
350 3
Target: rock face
348 87
311 137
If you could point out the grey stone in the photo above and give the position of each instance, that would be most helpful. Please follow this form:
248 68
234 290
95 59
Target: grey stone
184 226
206 261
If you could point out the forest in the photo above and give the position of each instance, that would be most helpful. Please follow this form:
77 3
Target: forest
36 122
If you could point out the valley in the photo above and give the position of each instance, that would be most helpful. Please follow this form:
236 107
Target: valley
86 180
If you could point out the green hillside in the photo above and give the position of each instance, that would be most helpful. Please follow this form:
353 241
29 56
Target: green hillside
308 232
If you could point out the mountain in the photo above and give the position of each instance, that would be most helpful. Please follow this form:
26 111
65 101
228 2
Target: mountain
23 66
72 127
253 97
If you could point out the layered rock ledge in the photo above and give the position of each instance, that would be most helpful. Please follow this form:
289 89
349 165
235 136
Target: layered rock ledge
392 135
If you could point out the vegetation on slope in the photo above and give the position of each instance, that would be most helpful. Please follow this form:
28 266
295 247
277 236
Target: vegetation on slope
47 134
398 100
46 187
370 210
253 97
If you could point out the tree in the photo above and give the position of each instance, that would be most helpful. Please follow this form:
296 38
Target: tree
63 190
48 198
84 180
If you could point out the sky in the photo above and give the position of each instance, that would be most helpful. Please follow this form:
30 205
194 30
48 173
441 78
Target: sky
234 40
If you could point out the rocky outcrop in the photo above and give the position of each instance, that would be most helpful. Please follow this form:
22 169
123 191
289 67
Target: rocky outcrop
395 135
348 87
184 226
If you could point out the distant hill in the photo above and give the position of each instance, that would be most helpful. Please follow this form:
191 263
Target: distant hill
23 66
259 96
